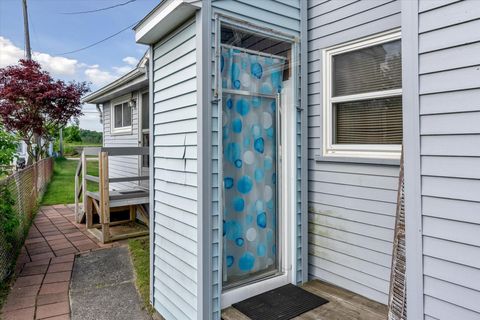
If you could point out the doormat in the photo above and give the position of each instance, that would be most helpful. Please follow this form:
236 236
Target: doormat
281 303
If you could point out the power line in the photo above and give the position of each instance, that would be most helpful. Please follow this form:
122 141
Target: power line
101 9
98 42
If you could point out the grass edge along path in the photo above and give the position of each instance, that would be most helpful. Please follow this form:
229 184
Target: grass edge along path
140 253
62 187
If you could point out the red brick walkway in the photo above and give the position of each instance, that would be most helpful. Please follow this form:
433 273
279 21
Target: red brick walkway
45 265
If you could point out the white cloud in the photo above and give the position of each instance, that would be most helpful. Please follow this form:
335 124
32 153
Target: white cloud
58 66
99 77
9 53
130 60
122 70
69 69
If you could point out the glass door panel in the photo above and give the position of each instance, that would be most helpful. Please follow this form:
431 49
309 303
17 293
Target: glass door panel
251 83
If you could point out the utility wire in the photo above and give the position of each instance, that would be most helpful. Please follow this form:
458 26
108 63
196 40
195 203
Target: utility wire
101 9
98 42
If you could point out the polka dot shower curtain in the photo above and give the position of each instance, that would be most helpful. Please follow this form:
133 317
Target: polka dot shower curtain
251 83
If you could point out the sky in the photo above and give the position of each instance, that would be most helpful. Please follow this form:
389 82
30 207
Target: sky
54 33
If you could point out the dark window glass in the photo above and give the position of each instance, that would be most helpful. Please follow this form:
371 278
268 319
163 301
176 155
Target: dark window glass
375 68
374 121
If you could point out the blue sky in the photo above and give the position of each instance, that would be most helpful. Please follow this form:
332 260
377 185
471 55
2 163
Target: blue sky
53 33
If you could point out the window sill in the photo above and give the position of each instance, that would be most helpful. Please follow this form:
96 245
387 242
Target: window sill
354 159
121 131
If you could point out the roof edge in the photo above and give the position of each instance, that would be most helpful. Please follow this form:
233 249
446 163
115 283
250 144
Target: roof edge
135 73
163 19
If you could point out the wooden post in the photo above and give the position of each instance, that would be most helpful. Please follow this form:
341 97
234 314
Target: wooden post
89 213
77 214
104 196
132 213
84 181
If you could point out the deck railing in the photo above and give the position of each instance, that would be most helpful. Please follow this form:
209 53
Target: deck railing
86 200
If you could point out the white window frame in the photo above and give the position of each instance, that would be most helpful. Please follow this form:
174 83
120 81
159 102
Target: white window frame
125 129
382 151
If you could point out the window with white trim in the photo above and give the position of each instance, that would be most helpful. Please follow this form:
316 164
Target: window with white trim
363 98
122 117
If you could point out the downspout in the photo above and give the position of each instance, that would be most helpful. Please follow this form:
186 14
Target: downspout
100 113
304 138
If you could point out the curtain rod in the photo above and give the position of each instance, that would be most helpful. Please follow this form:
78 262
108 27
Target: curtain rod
254 52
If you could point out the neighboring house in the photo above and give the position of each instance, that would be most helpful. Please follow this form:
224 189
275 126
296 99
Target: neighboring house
124 112
276 140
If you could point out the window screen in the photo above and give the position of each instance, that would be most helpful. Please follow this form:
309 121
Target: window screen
374 117
127 115
145 110
118 116
122 115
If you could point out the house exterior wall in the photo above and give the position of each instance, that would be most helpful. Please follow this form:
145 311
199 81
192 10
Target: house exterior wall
175 259
281 16
121 166
443 223
352 204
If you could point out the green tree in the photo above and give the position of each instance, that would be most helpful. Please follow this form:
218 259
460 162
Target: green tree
72 134
8 150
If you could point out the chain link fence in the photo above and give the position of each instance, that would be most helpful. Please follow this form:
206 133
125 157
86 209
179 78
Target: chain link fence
19 194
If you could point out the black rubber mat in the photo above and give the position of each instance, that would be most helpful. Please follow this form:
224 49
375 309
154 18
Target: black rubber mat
281 303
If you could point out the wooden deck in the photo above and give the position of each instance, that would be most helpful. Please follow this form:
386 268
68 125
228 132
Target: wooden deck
342 305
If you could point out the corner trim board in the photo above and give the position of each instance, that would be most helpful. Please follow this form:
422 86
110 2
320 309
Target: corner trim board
411 145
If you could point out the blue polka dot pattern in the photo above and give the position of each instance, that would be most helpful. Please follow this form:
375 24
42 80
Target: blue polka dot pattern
235 73
268 163
262 220
243 107
244 185
233 229
229 103
256 101
238 204
256 70
270 132
232 152
246 261
261 250
276 78
259 145
228 183
237 125
249 172
238 163
239 241
258 174
230 261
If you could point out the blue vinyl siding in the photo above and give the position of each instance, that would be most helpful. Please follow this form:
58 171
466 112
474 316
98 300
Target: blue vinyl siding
351 205
449 134
175 175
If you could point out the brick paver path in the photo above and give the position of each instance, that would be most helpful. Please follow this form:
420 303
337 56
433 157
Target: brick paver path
45 265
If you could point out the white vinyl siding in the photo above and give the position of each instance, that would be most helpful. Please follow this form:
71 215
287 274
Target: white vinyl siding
351 204
175 175
121 166
449 95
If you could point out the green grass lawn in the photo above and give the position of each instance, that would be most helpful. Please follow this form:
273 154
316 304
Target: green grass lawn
62 187
139 249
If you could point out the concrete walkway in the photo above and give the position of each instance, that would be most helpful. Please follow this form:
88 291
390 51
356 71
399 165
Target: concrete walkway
103 287
45 265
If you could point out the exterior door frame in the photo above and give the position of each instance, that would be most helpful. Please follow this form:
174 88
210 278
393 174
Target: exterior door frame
287 232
